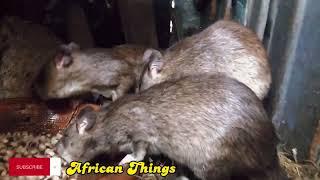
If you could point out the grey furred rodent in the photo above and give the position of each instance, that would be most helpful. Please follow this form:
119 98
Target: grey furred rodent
225 47
214 125
110 72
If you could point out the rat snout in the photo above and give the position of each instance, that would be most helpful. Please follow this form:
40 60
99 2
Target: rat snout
59 148
62 152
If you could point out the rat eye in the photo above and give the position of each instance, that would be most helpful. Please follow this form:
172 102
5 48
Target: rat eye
90 144
64 142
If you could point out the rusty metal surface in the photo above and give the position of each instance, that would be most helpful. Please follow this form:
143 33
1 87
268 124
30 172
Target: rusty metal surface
294 56
23 114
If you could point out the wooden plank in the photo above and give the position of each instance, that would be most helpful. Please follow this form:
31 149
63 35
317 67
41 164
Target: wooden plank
162 9
78 29
137 17
295 92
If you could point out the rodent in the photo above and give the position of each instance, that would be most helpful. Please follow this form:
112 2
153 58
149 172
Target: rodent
24 48
213 124
225 47
110 72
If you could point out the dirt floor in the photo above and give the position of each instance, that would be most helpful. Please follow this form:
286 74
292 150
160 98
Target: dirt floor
24 144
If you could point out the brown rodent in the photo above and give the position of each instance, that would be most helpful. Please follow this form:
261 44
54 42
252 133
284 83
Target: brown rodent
24 48
75 71
225 47
214 125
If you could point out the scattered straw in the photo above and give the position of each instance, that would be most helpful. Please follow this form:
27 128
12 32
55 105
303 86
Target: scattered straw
306 170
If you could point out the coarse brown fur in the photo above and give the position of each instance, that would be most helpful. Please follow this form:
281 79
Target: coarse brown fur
225 47
108 72
24 48
214 125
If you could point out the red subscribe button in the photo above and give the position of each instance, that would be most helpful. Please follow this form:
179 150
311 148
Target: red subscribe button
34 166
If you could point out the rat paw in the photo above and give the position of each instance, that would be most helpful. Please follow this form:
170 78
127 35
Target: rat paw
114 95
127 159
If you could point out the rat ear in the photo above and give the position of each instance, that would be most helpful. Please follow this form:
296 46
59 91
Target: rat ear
86 120
154 60
68 48
63 60
73 46
151 54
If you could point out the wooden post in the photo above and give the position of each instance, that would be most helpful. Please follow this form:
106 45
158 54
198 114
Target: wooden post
137 17
78 29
